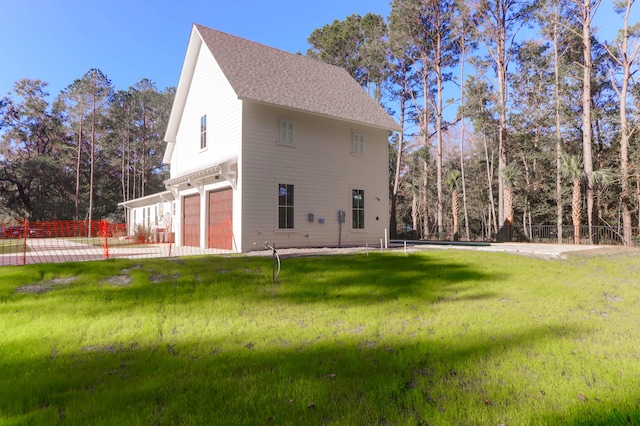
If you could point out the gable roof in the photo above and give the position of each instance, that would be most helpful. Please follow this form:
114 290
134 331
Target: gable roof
267 75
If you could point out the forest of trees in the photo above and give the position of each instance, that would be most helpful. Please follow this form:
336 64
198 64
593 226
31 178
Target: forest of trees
515 115
78 156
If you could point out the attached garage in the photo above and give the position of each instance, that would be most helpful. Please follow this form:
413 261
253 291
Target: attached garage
191 221
220 227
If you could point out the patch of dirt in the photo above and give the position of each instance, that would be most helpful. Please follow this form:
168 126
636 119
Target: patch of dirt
62 281
122 280
45 286
613 298
119 280
33 289
156 278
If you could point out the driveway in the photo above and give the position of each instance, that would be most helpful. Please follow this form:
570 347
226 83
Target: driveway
542 251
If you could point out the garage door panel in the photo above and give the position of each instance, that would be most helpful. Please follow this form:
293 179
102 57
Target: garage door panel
191 221
220 227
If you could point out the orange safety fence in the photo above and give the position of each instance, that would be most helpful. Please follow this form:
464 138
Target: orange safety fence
23 243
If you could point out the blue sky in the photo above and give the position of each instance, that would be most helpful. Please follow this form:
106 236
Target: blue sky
59 40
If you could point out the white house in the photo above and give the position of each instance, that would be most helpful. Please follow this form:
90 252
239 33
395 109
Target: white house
268 146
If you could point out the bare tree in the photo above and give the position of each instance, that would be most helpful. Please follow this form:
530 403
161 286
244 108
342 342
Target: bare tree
497 23
624 54
583 13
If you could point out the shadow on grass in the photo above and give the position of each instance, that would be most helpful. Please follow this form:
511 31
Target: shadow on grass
370 279
210 382
354 280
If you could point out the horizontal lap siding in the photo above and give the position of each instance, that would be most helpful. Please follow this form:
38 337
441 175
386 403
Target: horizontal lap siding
210 94
323 170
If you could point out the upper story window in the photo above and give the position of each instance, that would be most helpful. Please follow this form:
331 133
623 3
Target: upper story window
203 132
357 209
285 131
357 143
285 206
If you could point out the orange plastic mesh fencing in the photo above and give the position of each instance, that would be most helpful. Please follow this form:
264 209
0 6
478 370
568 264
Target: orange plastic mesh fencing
23 243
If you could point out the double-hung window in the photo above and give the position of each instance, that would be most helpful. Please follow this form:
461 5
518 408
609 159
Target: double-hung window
285 206
203 132
285 131
357 209
357 143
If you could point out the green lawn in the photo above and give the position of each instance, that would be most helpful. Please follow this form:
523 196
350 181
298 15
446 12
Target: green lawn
439 338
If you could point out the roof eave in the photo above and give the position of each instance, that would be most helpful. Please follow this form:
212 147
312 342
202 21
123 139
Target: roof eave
148 199
184 83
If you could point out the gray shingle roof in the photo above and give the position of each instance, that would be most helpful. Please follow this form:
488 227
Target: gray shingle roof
264 74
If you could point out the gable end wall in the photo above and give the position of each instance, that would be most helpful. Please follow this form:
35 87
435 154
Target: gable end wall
323 170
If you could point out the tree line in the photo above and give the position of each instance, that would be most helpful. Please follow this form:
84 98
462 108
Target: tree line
514 114
77 156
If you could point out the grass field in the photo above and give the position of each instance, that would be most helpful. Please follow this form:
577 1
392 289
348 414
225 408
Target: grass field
437 338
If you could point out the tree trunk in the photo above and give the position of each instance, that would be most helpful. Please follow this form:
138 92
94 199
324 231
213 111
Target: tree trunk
586 112
576 210
425 207
490 186
414 212
507 227
624 170
462 139
439 83
92 162
396 175
455 209
78 166
558 129
501 70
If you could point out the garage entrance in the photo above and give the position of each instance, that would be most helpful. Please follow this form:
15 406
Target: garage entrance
220 228
191 221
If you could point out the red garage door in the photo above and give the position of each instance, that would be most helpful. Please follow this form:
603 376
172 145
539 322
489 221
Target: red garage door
191 221
220 228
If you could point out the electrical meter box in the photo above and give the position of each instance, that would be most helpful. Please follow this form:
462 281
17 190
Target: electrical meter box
341 216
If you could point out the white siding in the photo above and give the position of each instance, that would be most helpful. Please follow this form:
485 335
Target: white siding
323 170
209 94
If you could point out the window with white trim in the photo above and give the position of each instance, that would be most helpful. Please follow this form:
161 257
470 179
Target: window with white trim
285 206
203 132
285 131
357 209
357 143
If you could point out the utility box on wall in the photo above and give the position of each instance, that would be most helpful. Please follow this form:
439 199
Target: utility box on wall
341 216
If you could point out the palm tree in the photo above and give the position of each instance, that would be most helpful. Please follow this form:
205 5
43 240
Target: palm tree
452 181
572 169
